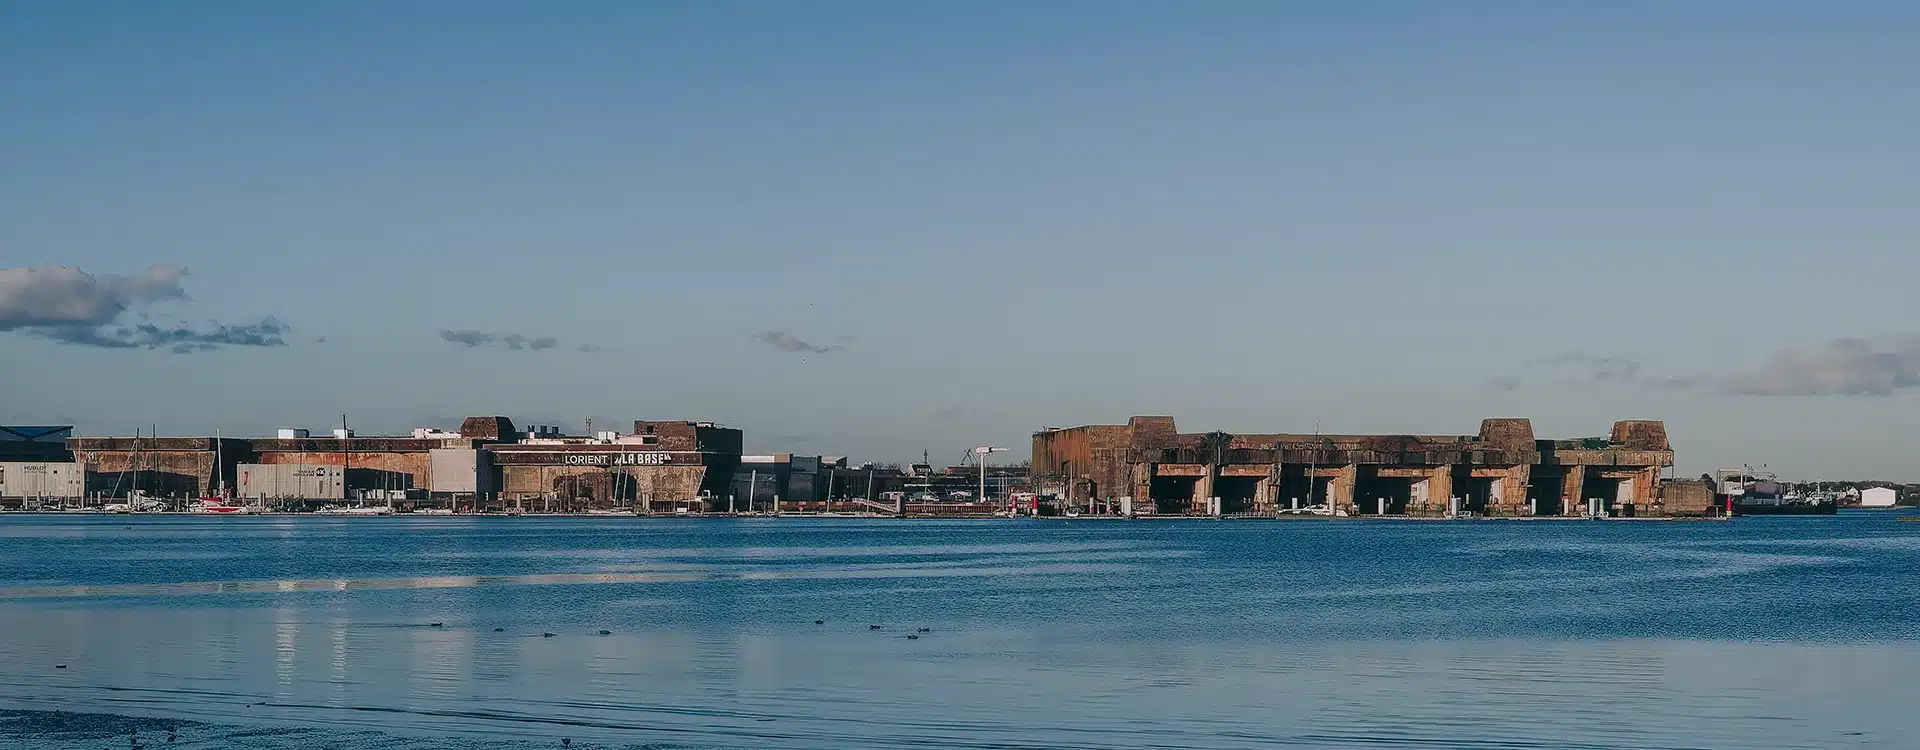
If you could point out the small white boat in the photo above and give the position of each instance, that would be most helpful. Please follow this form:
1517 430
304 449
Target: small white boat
435 512
137 503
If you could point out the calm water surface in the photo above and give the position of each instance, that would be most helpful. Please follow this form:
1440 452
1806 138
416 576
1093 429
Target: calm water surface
275 632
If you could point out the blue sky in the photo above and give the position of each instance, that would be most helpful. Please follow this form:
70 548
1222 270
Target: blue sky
873 228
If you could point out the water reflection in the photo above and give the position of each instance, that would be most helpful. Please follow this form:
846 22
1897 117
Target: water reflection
286 650
1127 635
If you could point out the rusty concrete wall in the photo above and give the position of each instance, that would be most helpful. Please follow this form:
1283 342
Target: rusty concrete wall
1610 457
1095 455
674 482
1052 448
1645 496
642 483
1688 498
1505 449
1513 491
1507 434
669 436
163 473
1646 487
1345 480
1572 484
1151 432
489 429
1439 491
1641 435
1266 495
177 466
1512 497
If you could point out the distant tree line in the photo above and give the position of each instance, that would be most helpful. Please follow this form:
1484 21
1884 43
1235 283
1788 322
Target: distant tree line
1908 494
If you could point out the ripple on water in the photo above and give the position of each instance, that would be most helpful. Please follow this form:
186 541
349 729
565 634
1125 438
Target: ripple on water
1205 635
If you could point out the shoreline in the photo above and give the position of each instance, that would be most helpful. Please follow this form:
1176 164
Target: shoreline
877 516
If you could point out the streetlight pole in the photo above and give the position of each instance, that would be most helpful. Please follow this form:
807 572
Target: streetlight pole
980 454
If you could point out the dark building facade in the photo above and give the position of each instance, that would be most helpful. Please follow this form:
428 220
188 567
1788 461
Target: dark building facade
166 467
35 443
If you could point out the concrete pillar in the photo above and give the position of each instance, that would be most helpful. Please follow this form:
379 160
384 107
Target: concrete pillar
1273 486
1265 496
1343 485
1572 491
1440 489
1513 490
1203 489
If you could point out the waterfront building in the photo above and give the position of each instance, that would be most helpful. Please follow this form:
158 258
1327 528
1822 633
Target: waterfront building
1152 468
662 466
1879 497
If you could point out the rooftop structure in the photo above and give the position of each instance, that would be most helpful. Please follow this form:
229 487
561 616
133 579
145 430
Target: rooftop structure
34 443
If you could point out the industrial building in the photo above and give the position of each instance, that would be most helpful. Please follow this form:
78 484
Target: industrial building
41 483
487 464
373 467
780 481
1879 497
275 485
283 469
660 467
1148 467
